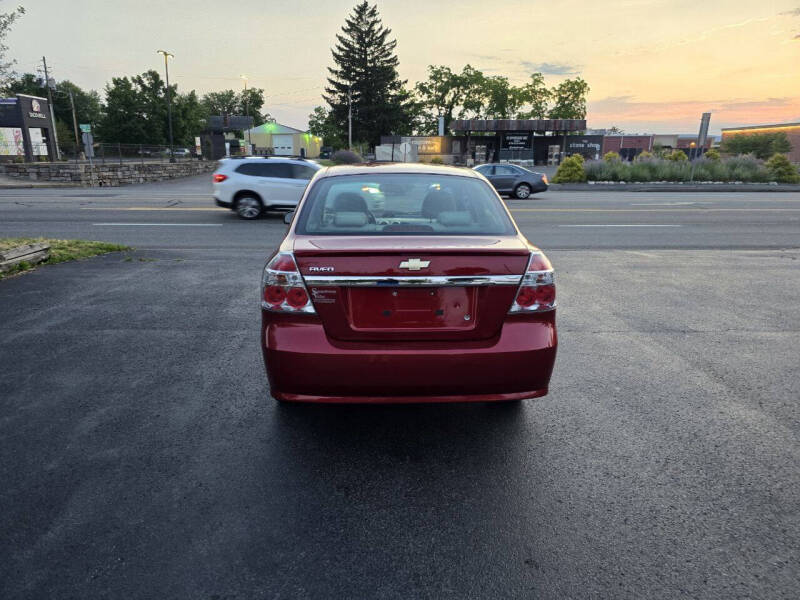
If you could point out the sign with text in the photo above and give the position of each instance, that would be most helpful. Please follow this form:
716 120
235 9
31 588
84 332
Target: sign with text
36 111
517 141
85 128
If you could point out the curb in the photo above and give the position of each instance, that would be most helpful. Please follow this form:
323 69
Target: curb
673 187
31 186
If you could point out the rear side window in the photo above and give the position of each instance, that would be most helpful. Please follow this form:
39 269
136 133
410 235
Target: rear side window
258 169
403 204
504 170
302 172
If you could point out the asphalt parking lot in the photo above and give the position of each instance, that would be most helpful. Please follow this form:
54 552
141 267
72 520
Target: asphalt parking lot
143 458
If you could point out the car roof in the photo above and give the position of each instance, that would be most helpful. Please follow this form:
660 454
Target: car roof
397 168
242 159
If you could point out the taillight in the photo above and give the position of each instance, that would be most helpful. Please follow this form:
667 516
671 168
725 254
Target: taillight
282 287
537 290
544 179
219 177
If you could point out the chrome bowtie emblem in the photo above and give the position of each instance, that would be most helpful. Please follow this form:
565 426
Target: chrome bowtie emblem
414 264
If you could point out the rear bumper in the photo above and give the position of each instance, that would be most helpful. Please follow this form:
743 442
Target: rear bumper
304 365
223 204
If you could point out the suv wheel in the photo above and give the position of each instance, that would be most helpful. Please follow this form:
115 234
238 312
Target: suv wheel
249 207
522 191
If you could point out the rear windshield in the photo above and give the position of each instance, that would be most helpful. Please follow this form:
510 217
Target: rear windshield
398 204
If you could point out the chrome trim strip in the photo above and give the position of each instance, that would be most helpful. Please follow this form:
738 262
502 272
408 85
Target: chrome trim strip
411 280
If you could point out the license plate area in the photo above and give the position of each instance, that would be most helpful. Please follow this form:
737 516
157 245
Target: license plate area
402 308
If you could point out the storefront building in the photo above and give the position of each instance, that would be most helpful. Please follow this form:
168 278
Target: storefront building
26 129
281 140
792 131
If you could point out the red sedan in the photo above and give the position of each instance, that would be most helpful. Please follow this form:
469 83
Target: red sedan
406 283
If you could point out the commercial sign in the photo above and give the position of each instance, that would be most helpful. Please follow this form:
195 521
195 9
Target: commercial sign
37 141
517 141
425 145
85 127
11 143
36 110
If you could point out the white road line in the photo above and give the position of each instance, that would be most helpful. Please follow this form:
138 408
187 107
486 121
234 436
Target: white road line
157 224
669 203
607 225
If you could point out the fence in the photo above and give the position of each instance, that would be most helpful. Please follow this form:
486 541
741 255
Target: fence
126 153
102 153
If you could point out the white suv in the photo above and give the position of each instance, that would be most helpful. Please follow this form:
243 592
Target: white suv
254 184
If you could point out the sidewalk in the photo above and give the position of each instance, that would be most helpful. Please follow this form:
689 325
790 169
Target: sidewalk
18 183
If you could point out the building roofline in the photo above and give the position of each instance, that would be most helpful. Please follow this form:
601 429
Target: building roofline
769 126
29 96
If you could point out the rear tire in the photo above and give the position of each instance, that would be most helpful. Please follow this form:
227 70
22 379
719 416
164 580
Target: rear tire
248 206
522 191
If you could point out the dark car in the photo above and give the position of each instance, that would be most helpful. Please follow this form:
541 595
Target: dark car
514 180
431 296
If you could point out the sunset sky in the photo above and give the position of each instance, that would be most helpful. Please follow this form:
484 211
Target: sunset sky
653 65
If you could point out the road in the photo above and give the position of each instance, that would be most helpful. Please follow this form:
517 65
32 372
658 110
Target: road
141 455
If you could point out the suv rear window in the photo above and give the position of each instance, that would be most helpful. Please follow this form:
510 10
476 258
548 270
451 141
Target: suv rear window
403 204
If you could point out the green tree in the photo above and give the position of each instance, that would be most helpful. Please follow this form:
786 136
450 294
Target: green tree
221 103
152 95
189 118
6 21
123 118
88 107
250 103
366 67
761 145
569 99
534 98
439 95
321 124
782 170
228 102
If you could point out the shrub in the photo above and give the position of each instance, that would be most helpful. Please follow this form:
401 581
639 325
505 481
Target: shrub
643 155
782 170
437 160
570 170
761 145
712 155
346 157
611 157
677 155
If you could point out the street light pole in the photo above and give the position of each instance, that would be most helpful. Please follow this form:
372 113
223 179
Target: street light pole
247 114
167 56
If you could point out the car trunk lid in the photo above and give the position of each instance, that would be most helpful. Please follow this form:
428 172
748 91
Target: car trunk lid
411 288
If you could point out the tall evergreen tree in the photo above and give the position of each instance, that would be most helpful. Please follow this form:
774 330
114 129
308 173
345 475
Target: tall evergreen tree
366 65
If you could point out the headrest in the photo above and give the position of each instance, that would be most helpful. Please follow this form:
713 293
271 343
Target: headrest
349 202
350 219
452 218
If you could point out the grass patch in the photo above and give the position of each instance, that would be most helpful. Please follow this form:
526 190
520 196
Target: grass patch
60 250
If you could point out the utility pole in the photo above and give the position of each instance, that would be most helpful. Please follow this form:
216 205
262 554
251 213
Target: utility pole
350 118
75 125
167 55
247 114
50 103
